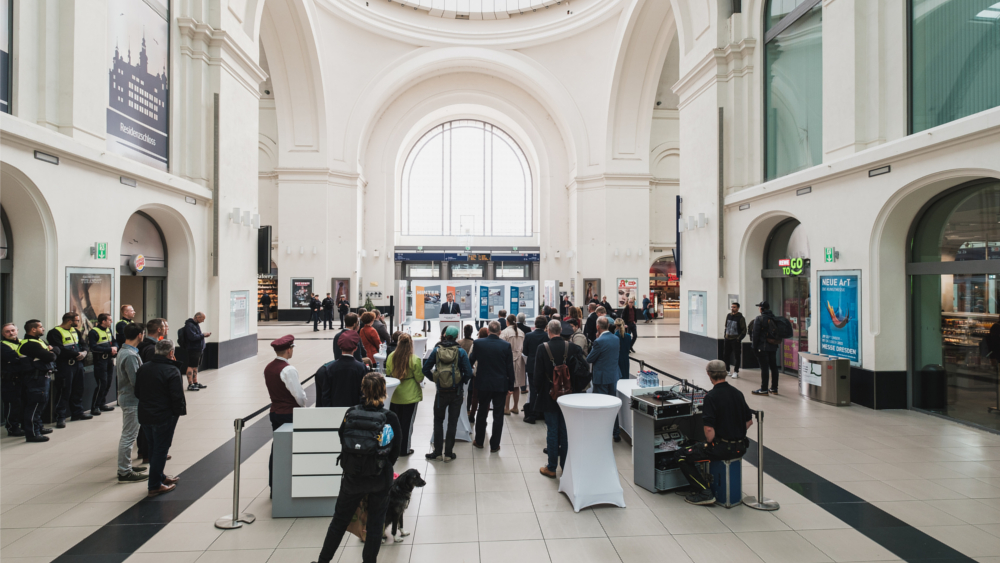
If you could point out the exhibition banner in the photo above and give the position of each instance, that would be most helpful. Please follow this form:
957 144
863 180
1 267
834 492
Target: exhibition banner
138 84
628 288
840 322
90 292
514 300
491 301
527 299
427 301
302 290
464 298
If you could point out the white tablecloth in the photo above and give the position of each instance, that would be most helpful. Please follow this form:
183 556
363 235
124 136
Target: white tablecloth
390 385
625 387
419 346
463 430
380 359
591 474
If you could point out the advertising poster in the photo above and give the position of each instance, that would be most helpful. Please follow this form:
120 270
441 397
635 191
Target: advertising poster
90 292
340 286
591 291
428 301
5 50
464 298
302 290
697 305
515 301
628 288
239 320
138 98
400 302
839 308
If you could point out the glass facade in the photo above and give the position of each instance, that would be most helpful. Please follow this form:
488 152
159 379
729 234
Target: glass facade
955 338
793 89
789 295
954 60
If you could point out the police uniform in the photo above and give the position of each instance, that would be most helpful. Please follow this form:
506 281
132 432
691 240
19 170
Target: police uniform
35 386
100 343
69 372
120 332
10 387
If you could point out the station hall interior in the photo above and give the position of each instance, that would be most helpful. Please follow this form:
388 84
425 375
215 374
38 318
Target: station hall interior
266 169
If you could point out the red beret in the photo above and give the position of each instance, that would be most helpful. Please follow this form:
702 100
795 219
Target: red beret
349 340
283 343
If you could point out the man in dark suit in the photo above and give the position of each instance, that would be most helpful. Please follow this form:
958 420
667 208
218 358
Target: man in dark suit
532 340
502 319
590 328
449 307
494 380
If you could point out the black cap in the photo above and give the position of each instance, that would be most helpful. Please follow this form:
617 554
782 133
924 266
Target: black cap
763 305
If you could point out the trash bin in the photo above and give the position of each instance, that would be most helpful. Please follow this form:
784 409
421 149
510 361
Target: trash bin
825 379
933 388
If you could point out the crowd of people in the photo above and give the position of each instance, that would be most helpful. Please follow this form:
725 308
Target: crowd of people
144 361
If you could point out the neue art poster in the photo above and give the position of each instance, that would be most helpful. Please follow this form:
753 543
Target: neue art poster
90 292
138 83
840 322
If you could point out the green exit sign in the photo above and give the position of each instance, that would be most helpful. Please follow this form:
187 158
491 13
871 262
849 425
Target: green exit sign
831 254
101 250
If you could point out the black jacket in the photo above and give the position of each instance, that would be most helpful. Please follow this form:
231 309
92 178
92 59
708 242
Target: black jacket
359 352
160 391
542 378
67 353
344 307
590 327
37 358
194 339
315 305
532 340
12 362
495 371
608 309
120 332
374 483
338 383
741 326
327 304
146 348
759 330
265 300
503 322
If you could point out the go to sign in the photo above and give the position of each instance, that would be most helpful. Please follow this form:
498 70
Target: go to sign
792 266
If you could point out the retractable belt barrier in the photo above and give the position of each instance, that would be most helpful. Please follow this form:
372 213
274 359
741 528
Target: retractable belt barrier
759 502
237 518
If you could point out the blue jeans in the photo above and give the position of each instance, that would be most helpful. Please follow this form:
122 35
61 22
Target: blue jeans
556 439
645 314
159 436
612 390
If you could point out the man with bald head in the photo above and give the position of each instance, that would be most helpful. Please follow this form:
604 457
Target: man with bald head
194 345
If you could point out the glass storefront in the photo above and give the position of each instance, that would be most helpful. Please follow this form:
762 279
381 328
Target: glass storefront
955 338
788 292
665 287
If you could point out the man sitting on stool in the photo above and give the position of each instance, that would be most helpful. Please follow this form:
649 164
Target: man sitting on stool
727 419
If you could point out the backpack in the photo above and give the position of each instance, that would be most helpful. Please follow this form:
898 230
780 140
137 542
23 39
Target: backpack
778 329
180 337
561 379
580 374
446 374
365 442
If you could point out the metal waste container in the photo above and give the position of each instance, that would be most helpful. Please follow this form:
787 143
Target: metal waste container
825 379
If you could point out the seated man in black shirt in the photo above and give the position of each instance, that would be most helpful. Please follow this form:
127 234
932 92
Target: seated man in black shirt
727 418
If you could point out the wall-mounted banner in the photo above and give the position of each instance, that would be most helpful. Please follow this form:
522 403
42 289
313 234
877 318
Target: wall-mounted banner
527 299
138 83
302 290
427 301
90 291
491 301
515 301
464 298
628 288
840 314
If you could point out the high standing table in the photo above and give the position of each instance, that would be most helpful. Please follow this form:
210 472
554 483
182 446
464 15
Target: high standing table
624 388
591 473
390 385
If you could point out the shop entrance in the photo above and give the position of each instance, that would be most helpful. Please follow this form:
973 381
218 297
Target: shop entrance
787 289
143 266
954 269
665 288
6 270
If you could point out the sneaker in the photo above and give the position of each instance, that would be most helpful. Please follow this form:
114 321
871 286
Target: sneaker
193 387
433 456
139 469
201 386
704 498
61 423
529 420
760 391
547 472
773 391
36 439
736 375
450 457
132 477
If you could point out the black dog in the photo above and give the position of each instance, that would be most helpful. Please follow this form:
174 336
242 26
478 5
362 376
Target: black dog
399 500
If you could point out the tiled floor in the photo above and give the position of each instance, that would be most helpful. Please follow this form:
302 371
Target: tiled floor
936 476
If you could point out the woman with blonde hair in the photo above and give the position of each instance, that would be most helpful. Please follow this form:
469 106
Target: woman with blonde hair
625 344
406 367
515 337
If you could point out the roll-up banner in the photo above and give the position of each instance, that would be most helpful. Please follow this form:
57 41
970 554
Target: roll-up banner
527 298
514 300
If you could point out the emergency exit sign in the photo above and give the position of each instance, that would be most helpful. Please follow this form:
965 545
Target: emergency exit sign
101 250
831 254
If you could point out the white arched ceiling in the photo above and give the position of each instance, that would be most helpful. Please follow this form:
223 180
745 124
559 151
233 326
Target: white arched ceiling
643 38
288 39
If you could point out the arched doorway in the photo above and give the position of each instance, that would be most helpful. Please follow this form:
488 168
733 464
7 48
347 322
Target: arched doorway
665 287
6 269
953 266
786 287
143 266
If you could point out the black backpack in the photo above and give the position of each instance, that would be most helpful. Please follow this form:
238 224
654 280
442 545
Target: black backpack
779 329
579 369
361 449
180 337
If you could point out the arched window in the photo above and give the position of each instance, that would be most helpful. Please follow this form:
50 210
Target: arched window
466 178
954 60
793 86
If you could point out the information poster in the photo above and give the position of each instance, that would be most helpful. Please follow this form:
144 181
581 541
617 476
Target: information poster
239 320
527 299
697 304
90 292
428 301
464 297
515 300
302 290
839 308
591 291
491 301
628 288
138 55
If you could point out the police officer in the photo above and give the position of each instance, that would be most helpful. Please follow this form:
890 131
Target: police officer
70 352
127 314
10 381
35 380
104 349
315 306
327 312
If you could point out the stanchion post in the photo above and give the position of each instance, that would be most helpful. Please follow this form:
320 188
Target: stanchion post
760 502
236 519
